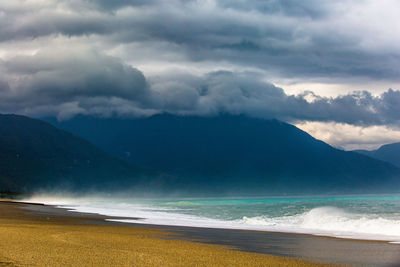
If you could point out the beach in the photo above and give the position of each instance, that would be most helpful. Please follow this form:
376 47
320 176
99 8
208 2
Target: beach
40 235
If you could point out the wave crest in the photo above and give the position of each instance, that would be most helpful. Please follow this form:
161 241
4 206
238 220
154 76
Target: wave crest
332 220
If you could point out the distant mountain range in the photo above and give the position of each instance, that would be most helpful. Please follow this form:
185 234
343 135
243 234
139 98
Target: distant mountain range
389 153
181 155
235 154
36 155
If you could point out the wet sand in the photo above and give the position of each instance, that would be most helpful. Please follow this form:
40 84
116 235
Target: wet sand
313 248
183 246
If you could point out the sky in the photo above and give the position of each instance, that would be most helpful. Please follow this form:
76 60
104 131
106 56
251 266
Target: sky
329 67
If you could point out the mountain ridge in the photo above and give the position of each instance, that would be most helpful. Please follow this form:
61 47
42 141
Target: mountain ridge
176 155
35 154
235 151
389 153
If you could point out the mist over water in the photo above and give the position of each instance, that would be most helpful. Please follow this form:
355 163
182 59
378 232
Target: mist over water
375 217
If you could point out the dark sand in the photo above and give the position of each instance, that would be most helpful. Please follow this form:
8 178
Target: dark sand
313 248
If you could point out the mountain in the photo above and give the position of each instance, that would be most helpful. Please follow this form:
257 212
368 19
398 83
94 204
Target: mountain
35 154
236 154
389 153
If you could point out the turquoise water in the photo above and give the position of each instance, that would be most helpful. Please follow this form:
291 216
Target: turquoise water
235 208
357 216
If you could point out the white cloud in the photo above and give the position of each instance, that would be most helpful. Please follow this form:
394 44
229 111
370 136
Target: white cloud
350 137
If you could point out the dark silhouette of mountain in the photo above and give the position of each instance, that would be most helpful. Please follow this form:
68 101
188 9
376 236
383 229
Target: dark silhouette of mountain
236 154
35 154
389 153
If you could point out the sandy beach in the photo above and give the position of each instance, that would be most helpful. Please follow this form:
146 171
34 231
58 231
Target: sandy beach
44 238
39 235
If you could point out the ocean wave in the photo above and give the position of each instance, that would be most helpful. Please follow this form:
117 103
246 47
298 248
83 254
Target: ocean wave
331 221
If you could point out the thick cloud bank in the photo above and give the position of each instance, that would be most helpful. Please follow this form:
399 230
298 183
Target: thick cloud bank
331 40
141 57
88 82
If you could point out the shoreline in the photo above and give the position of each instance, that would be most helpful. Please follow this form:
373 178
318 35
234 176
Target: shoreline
292 246
121 220
325 220
40 235
136 220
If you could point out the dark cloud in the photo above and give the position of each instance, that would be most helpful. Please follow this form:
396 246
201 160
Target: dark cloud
80 81
53 79
72 74
24 23
313 9
55 58
116 4
290 39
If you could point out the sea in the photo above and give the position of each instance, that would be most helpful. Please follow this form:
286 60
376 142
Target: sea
370 217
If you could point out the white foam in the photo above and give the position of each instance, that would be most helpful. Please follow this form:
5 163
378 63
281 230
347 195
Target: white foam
335 222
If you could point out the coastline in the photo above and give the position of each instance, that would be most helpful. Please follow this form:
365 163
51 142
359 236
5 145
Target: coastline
40 235
213 247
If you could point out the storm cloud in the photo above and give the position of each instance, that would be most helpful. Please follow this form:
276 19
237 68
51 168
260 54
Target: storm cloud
87 82
206 57
311 39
